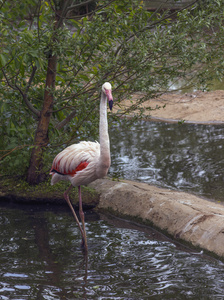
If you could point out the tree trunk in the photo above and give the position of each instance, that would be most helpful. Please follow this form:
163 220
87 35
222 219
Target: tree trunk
35 173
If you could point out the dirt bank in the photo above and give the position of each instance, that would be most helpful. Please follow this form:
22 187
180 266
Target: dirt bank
197 107
182 215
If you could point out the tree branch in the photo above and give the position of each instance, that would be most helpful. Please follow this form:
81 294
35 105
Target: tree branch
150 26
28 103
11 150
66 120
25 98
31 79
24 95
7 80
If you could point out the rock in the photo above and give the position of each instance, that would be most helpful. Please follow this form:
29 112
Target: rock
182 215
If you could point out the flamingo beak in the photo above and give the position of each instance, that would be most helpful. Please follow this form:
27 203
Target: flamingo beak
110 98
110 104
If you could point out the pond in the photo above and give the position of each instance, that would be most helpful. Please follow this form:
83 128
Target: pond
187 157
41 259
41 256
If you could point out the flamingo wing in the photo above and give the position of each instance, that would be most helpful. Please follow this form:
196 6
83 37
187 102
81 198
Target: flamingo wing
73 159
56 169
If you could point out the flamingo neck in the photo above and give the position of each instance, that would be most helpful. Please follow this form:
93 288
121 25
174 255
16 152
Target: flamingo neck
104 136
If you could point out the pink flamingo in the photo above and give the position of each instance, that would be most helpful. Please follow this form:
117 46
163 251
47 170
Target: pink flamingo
85 162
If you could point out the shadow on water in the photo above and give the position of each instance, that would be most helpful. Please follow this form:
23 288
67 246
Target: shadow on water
185 157
41 258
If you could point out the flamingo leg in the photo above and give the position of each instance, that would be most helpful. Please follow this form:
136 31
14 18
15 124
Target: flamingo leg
82 217
74 214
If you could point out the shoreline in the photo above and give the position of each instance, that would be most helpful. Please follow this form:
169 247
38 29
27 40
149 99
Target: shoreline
197 107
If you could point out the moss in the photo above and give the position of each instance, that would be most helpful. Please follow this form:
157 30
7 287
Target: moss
17 189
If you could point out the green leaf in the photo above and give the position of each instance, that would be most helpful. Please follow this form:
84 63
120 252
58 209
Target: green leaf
60 115
22 69
2 60
2 107
76 24
84 77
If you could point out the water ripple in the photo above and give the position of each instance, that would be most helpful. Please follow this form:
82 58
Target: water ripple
184 157
44 261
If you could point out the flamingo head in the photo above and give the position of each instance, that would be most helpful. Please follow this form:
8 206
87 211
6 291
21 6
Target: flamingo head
107 90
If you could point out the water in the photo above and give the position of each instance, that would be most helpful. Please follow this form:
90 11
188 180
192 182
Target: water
40 254
184 157
41 259
184 86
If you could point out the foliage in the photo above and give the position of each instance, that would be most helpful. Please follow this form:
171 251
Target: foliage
136 50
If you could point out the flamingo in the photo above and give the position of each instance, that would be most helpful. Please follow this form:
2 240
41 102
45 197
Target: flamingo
85 162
